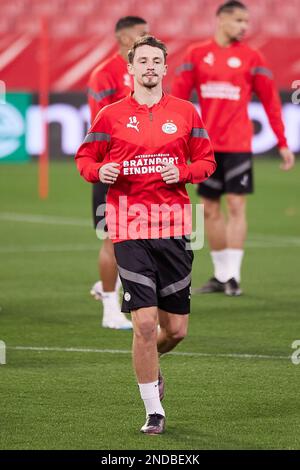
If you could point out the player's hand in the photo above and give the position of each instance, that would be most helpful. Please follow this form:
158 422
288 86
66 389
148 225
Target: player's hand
109 173
170 173
288 159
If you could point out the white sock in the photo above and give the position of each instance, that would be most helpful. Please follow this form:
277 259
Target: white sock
221 265
111 304
118 284
150 396
109 296
235 258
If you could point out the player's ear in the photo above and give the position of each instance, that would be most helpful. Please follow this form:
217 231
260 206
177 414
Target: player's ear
130 69
125 39
222 18
166 70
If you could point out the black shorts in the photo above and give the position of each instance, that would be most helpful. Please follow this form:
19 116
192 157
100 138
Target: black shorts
99 198
155 273
233 175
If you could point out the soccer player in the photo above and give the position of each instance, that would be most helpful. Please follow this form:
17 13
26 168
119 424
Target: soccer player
225 71
108 83
140 147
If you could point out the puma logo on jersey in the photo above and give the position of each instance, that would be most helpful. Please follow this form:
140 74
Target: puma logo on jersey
244 180
209 59
133 123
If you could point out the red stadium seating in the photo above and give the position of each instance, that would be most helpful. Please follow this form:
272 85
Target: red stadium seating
272 16
85 24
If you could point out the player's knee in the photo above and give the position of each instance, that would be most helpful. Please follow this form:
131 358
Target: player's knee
236 207
145 328
212 210
178 334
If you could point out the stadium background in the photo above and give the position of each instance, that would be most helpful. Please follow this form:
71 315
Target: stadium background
68 383
81 35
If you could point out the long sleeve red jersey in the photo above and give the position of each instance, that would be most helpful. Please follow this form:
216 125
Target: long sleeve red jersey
141 139
108 83
224 78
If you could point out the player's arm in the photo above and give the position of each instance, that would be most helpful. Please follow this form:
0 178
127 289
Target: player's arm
184 80
201 156
101 91
90 157
264 87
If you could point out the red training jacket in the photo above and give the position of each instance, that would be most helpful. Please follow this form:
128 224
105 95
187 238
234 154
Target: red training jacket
141 139
108 83
224 78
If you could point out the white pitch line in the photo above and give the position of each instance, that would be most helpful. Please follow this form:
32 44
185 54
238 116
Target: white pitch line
49 249
85 247
122 351
255 240
44 219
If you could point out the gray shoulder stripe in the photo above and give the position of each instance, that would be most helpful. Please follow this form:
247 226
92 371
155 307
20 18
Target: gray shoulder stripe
96 137
199 132
187 67
138 278
262 71
175 287
100 95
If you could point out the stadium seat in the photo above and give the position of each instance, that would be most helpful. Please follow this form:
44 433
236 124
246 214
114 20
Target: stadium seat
190 18
6 25
88 24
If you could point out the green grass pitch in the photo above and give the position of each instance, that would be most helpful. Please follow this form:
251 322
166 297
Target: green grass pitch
216 398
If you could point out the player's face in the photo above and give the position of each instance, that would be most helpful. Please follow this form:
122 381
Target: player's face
148 66
235 24
130 35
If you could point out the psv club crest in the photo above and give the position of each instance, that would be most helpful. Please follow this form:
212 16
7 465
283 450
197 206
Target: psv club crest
169 127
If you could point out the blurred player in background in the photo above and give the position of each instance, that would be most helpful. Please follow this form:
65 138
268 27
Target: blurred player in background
108 83
225 71
141 147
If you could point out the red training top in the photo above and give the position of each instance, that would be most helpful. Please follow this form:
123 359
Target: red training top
224 78
109 82
141 139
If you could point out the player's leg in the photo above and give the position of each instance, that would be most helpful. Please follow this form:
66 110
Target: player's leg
173 329
237 221
215 223
113 317
215 230
174 266
145 362
137 273
236 236
108 271
107 289
211 191
238 183
107 266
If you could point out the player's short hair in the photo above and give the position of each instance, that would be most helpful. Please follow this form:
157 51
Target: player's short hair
147 41
229 6
128 22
